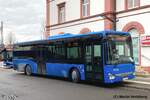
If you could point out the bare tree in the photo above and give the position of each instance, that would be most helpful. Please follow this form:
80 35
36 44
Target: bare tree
10 38
43 30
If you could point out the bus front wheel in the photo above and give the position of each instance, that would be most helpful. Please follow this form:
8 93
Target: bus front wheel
28 70
75 76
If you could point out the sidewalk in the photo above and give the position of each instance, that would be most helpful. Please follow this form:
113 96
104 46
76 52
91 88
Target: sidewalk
139 82
1 64
142 79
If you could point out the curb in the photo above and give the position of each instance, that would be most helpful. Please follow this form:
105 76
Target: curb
133 84
136 87
138 82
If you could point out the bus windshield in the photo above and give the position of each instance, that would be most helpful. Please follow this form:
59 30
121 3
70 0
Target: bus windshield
119 50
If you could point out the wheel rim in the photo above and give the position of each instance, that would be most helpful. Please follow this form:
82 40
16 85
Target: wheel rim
28 70
74 76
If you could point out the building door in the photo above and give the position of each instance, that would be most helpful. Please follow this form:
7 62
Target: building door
93 61
41 60
136 45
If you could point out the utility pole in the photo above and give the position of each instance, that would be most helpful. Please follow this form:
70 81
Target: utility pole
1 28
1 33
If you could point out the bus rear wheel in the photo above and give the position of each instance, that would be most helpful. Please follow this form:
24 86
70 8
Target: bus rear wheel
75 76
28 70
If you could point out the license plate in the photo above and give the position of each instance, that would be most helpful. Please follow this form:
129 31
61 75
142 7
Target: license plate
126 78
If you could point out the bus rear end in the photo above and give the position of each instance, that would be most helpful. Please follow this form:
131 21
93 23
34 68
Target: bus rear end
119 63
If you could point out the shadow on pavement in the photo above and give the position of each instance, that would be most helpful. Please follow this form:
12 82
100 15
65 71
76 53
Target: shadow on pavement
90 83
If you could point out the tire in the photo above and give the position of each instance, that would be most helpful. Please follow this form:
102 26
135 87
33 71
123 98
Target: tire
28 70
75 76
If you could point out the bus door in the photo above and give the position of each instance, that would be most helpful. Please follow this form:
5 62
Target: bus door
41 60
93 61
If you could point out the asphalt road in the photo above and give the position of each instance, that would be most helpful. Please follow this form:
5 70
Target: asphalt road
17 86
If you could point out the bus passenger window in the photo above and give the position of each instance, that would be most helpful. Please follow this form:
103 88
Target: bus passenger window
88 51
97 50
73 53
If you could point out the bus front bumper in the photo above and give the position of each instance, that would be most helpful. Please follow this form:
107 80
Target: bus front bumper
113 78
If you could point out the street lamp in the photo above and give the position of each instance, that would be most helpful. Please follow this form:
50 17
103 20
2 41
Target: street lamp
113 20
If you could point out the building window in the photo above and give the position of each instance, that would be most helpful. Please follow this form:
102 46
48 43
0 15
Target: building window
85 30
61 13
85 8
133 3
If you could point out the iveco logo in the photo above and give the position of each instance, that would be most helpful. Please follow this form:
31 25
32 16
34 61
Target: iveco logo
116 69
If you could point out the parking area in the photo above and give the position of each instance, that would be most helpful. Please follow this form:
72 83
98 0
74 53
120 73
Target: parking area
17 86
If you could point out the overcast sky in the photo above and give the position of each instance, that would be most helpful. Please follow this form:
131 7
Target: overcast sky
24 18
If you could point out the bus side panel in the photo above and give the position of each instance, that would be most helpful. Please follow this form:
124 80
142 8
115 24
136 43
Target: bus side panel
120 72
19 65
62 70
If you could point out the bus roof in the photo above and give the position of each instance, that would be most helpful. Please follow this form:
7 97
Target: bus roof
99 33
67 36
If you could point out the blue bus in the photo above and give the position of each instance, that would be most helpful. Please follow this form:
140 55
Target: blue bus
105 56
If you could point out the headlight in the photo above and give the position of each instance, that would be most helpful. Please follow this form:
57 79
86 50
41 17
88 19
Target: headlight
111 77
